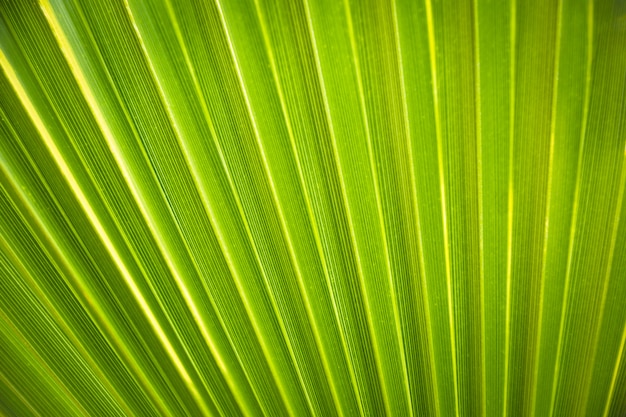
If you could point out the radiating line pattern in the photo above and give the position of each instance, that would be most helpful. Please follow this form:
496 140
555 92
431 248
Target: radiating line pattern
313 208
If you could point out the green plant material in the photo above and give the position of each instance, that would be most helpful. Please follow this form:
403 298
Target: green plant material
312 207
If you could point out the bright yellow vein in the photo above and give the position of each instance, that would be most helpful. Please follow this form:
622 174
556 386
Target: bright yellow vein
312 208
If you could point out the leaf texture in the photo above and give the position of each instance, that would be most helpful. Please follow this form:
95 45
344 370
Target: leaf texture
312 208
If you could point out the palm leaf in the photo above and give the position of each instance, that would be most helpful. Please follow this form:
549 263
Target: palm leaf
312 207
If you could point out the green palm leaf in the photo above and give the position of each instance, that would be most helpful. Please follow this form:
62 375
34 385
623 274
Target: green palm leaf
312 207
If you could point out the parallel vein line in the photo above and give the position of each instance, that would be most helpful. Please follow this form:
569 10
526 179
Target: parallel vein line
140 201
574 220
481 213
509 253
616 369
307 198
344 196
380 214
78 287
219 234
283 222
100 230
418 227
10 326
34 286
546 231
442 189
